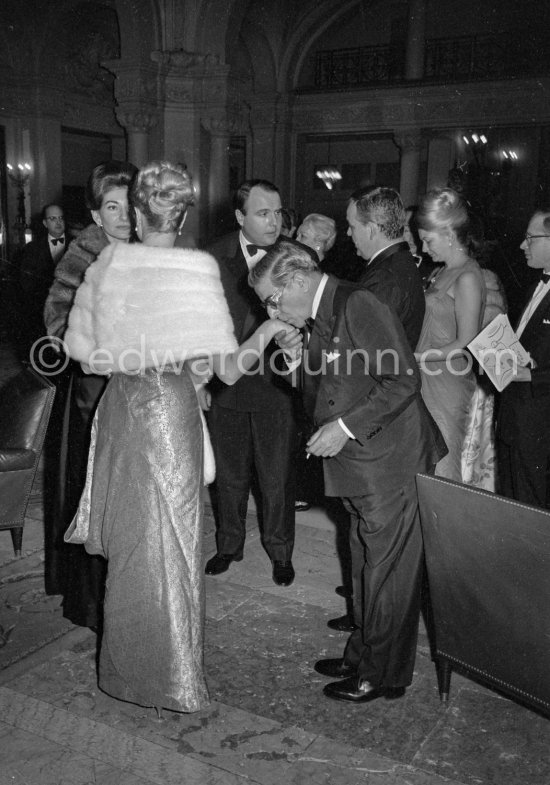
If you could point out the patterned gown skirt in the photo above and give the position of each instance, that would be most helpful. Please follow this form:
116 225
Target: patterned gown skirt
143 498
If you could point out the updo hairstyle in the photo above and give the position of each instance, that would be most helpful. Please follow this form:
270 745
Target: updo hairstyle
163 191
443 209
105 177
324 229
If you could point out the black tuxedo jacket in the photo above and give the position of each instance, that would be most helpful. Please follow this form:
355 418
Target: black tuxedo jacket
36 267
394 278
36 274
359 367
524 410
256 391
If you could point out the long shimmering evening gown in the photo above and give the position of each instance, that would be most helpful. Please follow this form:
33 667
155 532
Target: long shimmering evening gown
143 497
448 387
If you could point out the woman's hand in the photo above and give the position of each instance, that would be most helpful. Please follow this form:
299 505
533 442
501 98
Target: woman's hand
291 341
273 327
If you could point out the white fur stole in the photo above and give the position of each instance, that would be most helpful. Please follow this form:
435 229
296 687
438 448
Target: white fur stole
143 307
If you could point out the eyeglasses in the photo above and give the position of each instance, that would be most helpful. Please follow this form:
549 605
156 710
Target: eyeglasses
528 237
273 300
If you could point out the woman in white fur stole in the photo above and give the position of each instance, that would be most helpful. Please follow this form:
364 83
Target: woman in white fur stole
150 315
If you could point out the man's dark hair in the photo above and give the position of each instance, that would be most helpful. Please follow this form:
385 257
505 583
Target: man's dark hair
243 192
382 206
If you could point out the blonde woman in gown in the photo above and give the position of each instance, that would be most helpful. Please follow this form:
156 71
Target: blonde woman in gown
142 505
455 304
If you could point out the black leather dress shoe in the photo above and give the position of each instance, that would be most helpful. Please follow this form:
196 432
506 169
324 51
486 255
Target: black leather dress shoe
342 591
300 506
358 690
283 573
342 623
219 563
334 668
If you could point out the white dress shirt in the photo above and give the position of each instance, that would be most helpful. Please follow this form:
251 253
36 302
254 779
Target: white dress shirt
58 249
250 259
538 295
314 308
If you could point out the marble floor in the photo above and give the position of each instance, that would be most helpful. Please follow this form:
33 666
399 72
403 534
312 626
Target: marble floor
268 722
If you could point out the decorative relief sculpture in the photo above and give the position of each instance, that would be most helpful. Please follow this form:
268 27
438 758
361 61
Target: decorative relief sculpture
193 63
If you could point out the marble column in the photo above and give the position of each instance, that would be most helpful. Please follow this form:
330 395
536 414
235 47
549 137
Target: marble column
220 130
138 125
441 156
410 143
416 40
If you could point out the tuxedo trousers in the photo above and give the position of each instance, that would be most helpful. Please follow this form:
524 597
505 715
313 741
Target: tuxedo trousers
524 471
250 445
387 563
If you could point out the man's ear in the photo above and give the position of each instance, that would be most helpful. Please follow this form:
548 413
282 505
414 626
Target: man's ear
302 281
239 215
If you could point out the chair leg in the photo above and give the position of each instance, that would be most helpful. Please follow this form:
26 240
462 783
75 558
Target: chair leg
17 539
444 670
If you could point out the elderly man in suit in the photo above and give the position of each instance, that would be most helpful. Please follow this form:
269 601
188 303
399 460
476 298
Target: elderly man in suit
252 423
361 387
36 268
523 427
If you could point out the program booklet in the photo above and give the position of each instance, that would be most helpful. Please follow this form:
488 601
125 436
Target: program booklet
499 351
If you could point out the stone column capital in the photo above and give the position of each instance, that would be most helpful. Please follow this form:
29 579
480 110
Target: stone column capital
137 119
408 139
219 125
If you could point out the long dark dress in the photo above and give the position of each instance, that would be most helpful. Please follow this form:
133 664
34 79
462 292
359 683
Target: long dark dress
143 502
69 570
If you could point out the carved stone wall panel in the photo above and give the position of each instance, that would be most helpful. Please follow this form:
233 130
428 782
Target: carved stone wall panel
80 114
131 85
489 104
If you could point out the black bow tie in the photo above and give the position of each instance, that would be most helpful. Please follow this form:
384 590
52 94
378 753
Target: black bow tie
56 240
545 277
252 250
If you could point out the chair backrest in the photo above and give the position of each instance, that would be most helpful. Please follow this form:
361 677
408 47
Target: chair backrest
25 404
487 559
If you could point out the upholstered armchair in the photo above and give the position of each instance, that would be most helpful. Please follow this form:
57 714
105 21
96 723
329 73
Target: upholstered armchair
25 406
488 559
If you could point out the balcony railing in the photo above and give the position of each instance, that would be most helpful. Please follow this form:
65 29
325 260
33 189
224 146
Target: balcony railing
467 58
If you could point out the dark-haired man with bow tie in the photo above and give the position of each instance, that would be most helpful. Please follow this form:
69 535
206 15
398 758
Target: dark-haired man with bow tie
523 427
36 269
252 423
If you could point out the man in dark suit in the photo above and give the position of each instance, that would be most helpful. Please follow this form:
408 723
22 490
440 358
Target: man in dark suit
376 220
251 423
361 387
36 269
523 427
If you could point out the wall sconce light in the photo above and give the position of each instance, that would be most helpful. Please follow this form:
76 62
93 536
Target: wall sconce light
330 175
19 176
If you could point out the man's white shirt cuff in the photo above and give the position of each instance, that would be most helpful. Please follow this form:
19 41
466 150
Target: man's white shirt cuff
346 430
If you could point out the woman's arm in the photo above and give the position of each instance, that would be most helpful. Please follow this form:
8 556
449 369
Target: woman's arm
230 367
468 303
